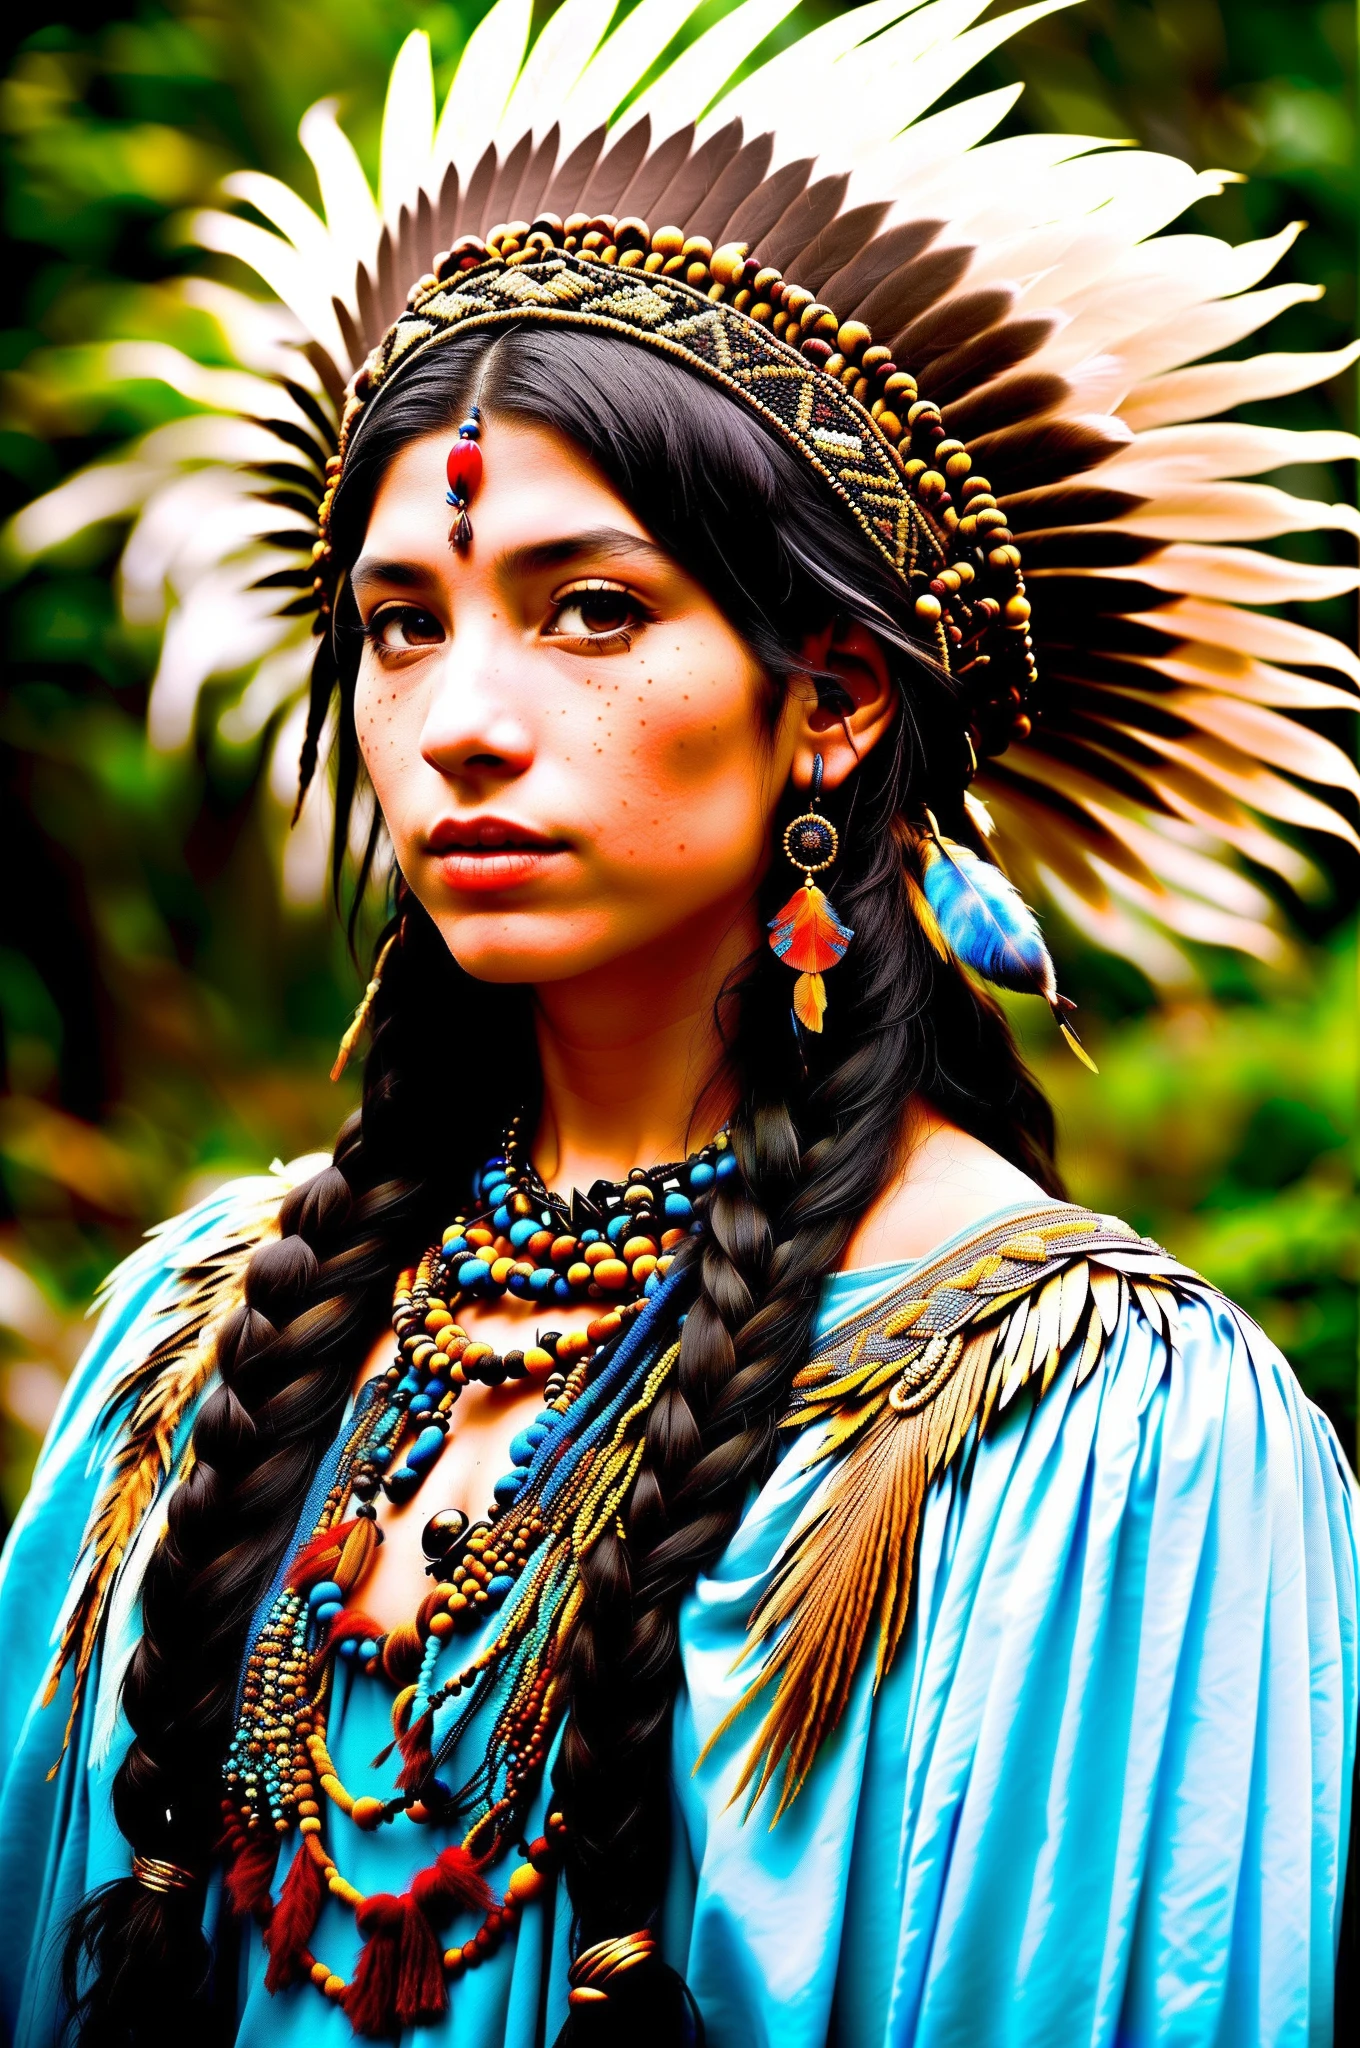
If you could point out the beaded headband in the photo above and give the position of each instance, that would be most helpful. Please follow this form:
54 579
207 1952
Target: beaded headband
835 397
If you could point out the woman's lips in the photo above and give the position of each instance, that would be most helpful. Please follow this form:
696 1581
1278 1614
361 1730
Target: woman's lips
484 855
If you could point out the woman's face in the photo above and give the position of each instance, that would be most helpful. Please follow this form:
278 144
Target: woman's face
570 744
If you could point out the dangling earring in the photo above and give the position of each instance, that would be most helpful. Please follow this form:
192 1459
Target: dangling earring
464 472
807 935
370 996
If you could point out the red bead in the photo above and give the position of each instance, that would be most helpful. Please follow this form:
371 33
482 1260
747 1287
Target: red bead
464 470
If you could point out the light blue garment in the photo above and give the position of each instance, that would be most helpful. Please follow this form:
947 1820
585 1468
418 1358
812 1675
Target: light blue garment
1101 1797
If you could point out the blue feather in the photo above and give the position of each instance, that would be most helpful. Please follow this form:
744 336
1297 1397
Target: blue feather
985 921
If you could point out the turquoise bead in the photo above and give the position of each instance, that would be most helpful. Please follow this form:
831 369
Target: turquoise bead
325 1591
521 1232
498 1587
679 1207
472 1272
701 1176
425 1449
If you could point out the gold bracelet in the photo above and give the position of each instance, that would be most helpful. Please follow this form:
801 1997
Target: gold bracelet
157 1876
597 1966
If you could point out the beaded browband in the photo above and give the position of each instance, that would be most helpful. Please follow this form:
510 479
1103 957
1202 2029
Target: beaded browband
832 394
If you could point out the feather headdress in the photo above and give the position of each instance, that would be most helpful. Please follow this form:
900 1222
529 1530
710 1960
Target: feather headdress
1058 342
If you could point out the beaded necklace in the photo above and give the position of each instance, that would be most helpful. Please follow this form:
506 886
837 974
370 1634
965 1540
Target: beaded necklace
613 1247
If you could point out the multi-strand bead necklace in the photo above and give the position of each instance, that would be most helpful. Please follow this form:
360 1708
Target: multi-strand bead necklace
611 1248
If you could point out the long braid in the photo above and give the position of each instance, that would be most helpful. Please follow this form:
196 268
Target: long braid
315 1299
812 1158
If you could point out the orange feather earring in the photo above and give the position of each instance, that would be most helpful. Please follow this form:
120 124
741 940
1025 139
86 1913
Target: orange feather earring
807 935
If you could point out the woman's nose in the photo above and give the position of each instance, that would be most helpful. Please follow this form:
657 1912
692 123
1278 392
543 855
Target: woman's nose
474 731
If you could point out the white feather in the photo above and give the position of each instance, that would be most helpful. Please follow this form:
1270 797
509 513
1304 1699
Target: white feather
560 55
685 87
619 66
407 129
482 84
351 215
1215 387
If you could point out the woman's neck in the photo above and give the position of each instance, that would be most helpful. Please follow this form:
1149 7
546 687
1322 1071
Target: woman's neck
628 1053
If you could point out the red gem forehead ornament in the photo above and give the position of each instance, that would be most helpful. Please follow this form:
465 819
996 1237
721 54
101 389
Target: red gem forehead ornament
464 472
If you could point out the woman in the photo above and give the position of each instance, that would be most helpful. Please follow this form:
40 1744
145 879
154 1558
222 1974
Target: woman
801 1579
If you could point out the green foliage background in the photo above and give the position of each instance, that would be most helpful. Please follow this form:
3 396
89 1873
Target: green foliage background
167 1020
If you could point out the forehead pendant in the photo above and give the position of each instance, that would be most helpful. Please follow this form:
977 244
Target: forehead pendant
464 472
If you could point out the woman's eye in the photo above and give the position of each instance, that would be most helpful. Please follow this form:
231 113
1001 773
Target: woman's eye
400 627
597 612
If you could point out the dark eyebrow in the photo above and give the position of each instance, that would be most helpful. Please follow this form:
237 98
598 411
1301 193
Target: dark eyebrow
607 541
405 575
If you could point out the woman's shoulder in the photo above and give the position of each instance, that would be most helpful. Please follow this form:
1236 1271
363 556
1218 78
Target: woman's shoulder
163 1300
119 1429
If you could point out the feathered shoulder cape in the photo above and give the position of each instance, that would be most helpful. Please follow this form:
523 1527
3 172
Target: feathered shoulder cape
895 1393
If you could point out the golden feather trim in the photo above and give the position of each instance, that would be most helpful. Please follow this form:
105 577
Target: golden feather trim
900 1388
157 1392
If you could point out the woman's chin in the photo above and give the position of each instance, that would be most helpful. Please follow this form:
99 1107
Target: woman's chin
532 947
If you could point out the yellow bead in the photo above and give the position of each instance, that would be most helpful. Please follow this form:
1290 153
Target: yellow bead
1016 611
367 1812
611 1275
334 1987
928 609
579 1274
525 1884
311 1825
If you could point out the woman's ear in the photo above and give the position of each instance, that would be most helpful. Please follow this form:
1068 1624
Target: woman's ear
844 735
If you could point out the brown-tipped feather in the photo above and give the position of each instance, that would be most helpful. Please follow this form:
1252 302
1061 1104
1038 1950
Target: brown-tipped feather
831 249
979 359
535 181
887 254
473 210
912 290
900 1389
698 175
157 1393
617 168
755 217
655 174
814 208
503 203
570 181
738 181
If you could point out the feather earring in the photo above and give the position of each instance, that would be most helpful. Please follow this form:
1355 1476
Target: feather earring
807 935
971 910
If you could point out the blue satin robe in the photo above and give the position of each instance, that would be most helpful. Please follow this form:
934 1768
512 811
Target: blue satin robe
1101 1798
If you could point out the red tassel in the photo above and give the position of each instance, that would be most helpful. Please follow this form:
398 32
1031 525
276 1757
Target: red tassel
454 1880
317 1560
251 1874
421 1993
399 1979
370 1997
293 1922
417 1758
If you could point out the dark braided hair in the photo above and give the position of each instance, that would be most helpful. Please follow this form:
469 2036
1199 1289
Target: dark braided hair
816 1145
